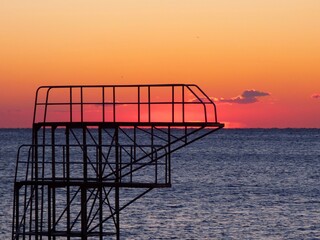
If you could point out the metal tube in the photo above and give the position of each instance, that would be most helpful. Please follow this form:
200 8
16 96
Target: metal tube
100 189
70 104
183 105
68 180
149 105
117 180
103 105
138 103
81 104
172 104
114 104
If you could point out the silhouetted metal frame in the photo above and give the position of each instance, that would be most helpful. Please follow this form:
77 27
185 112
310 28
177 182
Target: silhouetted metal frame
151 127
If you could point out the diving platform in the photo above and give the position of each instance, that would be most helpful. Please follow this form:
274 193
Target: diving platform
96 149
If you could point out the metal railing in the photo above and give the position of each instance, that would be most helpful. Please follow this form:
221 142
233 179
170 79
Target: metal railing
183 103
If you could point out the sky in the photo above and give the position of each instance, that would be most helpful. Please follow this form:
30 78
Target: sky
259 60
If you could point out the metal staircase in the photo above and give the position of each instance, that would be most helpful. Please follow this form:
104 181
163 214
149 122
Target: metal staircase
97 149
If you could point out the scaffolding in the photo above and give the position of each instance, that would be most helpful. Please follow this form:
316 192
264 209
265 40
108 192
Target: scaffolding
96 149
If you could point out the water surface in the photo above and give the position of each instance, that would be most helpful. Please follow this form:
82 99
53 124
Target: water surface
233 184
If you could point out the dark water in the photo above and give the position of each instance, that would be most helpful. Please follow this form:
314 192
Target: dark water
233 184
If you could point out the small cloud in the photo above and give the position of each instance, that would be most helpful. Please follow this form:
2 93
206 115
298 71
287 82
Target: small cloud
316 96
247 97
254 94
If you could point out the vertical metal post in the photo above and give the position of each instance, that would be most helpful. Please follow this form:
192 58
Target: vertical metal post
83 212
81 103
173 104
68 181
149 104
100 172
16 194
83 188
70 104
183 105
169 153
134 152
52 197
117 181
103 105
114 104
153 157
36 192
49 212
139 104
84 154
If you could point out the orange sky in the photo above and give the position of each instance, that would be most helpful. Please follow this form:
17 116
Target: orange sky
226 47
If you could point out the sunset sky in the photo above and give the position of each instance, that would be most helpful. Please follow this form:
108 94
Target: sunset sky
259 59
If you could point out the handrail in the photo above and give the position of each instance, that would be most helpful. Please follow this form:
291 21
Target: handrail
200 100
210 100
177 98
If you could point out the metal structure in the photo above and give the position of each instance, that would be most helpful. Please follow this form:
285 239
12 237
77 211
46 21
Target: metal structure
97 149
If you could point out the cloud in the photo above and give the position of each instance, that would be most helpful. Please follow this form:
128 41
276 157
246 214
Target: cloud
316 96
253 94
247 97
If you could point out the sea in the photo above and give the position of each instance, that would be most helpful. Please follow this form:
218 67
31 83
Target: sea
232 184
